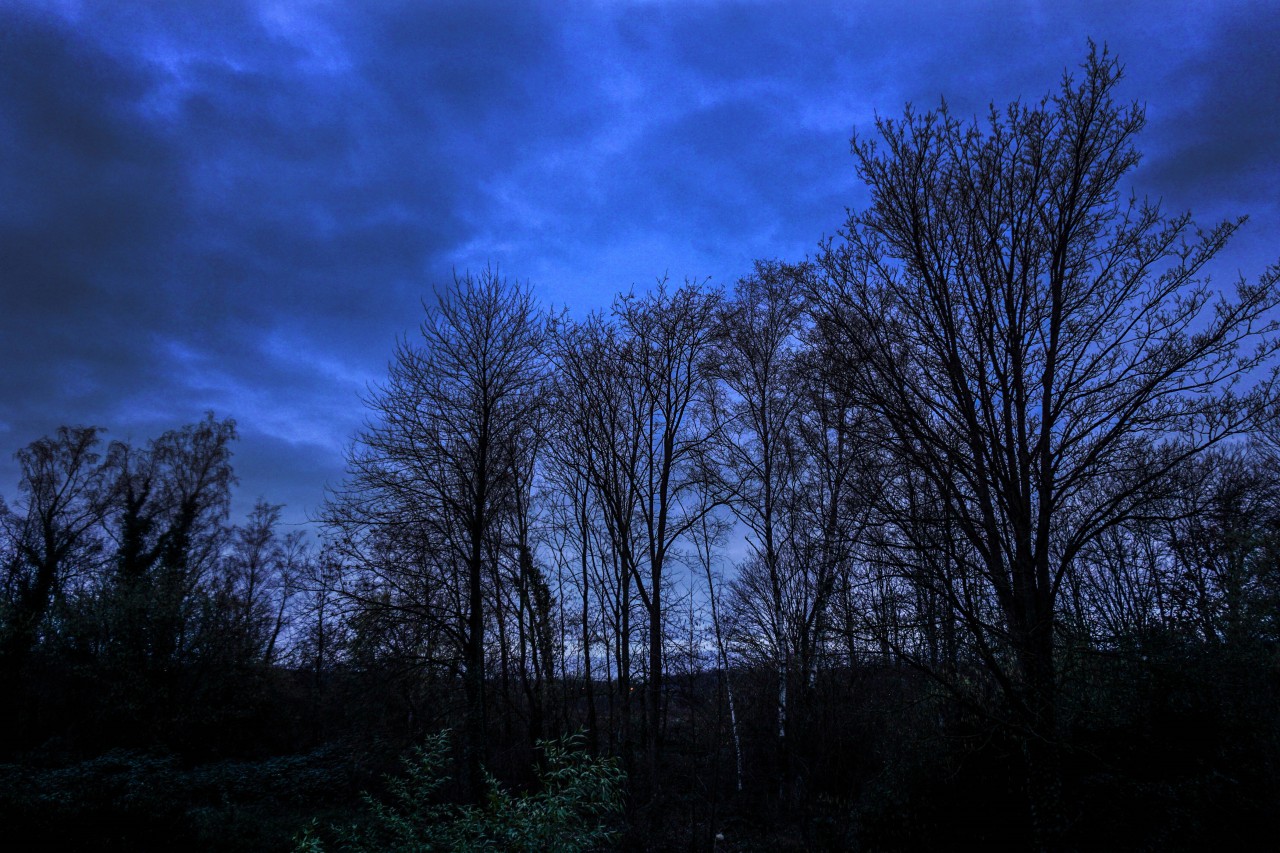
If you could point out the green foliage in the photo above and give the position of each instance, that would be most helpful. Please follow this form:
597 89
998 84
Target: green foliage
129 801
578 799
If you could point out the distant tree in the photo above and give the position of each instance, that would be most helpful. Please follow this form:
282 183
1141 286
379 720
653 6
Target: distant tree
258 576
1224 540
1118 593
1041 352
319 616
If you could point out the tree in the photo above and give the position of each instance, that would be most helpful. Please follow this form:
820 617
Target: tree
260 574
667 339
436 469
1224 538
323 629
573 427
63 496
758 336
598 447
1040 351
167 516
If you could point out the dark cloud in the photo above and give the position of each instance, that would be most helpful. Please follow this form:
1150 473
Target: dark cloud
1218 140
237 206
91 201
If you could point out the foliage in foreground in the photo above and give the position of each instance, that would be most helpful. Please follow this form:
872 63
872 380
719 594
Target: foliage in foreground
577 801
126 800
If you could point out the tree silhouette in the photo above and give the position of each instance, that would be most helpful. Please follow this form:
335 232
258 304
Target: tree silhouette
1041 352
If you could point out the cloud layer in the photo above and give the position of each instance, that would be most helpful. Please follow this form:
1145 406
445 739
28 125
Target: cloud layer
239 206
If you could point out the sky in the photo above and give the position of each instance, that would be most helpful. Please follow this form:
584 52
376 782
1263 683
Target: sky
240 206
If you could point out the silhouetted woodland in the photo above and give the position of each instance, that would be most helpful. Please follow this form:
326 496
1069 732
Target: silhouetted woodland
964 532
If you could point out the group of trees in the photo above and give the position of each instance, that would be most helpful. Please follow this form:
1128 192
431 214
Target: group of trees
976 435
124 581
996 454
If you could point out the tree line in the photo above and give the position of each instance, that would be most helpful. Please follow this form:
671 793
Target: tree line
950 533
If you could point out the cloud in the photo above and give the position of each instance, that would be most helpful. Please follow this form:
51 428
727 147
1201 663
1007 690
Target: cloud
240 205
1218 138
181 184
90 205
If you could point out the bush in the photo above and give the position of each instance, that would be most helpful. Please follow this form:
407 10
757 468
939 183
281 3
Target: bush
128 800
576 807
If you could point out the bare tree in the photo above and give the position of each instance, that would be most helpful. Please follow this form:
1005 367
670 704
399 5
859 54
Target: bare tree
322 633
708 536
669 336
582 411
636 396
62 499
598 437
755 362
260 574
1040 350
1223 538
436 468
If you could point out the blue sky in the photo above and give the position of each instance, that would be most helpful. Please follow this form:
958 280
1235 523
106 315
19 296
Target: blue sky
239 206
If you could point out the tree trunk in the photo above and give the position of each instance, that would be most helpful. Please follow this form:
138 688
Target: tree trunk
1040 747
473 680
655 682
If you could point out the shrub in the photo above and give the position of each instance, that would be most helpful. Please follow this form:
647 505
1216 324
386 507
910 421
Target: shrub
575 808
